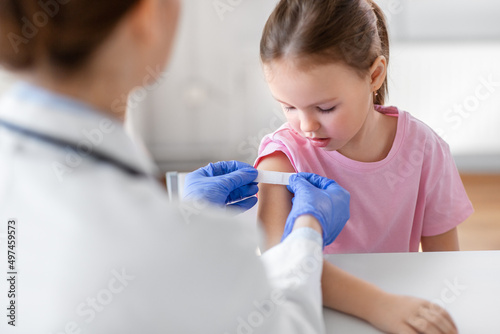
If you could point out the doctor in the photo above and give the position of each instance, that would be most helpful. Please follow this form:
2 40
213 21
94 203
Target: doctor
94 247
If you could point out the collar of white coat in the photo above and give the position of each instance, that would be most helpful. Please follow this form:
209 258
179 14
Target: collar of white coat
61 117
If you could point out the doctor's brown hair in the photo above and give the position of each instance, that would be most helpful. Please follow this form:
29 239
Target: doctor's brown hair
318 32
60 33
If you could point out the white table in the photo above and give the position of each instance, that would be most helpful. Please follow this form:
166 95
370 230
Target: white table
466 283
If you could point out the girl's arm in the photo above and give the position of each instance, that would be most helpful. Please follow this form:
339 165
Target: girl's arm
441 243
275 201
342 291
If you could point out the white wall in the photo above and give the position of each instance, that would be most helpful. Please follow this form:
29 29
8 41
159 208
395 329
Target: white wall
454 88
445 69
215 105
443 20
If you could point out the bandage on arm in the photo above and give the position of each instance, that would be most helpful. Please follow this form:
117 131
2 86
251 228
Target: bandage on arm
273 177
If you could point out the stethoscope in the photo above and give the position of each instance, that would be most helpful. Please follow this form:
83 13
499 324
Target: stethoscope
132 171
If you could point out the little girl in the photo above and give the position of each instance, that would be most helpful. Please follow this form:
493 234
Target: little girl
326 63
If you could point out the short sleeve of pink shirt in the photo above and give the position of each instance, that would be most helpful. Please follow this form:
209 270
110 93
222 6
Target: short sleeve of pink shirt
415 191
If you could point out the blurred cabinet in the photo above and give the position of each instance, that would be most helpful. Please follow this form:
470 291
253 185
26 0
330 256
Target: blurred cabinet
442 20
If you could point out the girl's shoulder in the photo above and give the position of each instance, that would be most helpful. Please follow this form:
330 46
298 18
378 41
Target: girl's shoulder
412 128
418 139
423 132
285 140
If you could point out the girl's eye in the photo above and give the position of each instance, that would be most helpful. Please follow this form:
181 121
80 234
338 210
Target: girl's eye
288 108
326 110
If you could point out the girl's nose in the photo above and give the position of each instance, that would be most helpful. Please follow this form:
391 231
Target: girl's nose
308 123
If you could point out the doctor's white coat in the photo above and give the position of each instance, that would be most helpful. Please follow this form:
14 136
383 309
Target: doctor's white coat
100 250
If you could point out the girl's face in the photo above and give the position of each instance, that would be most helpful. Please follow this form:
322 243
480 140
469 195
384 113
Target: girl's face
327 104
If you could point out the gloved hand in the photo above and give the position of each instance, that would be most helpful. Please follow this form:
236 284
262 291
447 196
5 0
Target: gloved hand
322 198
225 183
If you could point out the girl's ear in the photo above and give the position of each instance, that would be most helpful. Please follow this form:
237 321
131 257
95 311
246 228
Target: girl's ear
378 72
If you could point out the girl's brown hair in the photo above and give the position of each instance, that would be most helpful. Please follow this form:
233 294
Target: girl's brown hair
61 33
325 31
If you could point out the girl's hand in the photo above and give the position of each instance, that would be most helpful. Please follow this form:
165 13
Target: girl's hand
402 314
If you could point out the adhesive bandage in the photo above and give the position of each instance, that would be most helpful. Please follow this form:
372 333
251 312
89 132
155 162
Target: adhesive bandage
273 177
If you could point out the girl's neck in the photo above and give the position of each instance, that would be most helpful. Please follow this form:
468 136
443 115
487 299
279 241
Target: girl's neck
374 140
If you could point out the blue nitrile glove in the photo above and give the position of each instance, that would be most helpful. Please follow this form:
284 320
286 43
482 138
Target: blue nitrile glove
322 198
225 183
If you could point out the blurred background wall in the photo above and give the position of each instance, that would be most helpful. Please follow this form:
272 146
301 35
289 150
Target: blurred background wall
213 103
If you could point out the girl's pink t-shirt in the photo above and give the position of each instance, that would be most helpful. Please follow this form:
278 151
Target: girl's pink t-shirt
415 191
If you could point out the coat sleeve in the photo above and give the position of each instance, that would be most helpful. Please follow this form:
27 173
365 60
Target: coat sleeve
219 284
294 269
194 272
